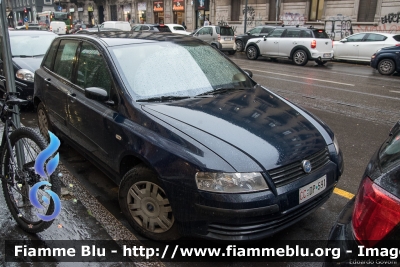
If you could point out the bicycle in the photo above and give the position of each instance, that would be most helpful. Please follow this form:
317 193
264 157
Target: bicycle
18 175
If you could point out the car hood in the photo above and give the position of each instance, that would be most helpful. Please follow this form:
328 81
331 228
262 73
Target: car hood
29 63
258 123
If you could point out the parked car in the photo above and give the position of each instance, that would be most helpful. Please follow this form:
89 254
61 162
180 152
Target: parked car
177 28
300 44
211 154
151 28
241 40
372 217
58 27
78 27
27 51
220 37
94 30
31 26
122 25
387 60
361 46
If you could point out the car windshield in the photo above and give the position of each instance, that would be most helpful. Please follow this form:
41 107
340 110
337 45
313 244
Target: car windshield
170 69
30 45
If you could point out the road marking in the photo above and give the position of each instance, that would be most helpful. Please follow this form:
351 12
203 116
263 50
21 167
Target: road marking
343 193
394 91
349 84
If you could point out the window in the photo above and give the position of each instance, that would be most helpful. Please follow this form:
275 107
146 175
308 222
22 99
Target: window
267 30
372 37
235 10
255 31
356 37
272 15
306 34
320 34
92 69
389 153
316 9
48 62
203 31
397 38
276 33
292 33
65 58
367 10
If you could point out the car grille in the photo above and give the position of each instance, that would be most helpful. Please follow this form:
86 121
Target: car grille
292 172
269 226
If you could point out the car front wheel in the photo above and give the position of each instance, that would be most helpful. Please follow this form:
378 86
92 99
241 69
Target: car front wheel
252 52
386 66
300 57
146 205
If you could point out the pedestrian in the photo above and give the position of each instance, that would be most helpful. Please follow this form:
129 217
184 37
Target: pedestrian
184 25
47 22
206 22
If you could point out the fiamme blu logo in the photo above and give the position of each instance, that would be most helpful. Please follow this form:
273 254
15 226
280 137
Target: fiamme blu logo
51 166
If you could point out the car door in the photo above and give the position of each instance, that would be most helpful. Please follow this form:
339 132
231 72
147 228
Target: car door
288 41
57 82
348 48
205 34
269 46
372 42
92 123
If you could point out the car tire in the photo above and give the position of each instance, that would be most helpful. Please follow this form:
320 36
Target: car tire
300 57
149 213
239 46
232 52
320 62
252 52
43 121
386 66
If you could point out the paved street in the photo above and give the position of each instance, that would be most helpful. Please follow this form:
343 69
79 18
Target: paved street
358 103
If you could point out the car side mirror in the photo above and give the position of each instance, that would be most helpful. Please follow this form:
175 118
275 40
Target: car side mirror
248 33
96 93
249 73
265 38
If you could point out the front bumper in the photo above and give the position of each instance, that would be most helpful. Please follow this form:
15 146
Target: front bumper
245 216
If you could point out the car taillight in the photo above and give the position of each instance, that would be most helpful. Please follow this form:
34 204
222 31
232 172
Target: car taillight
376 213
313 44
219 37
397 44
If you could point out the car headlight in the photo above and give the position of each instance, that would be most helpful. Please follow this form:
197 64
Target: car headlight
26 75
336 144
230 182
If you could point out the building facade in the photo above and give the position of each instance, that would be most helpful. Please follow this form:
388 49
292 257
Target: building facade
340 17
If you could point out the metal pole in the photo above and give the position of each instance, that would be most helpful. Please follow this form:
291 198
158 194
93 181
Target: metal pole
276 11
245 16
9 72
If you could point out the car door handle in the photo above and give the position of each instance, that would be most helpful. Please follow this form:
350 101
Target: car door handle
72 95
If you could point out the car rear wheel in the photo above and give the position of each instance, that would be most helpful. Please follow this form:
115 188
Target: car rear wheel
239 46
146 206
252 52
43 121
300 57
386 67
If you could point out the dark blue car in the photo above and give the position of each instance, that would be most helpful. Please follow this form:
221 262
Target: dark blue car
196 146
386 60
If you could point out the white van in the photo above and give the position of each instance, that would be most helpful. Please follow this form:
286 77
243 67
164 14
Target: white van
122 25
58 27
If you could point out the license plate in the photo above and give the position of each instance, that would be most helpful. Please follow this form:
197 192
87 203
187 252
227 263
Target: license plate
312 189
228 39
327 55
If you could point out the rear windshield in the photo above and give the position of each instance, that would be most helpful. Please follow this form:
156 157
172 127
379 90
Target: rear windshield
225 31
397 38
179 28
320 34
163 28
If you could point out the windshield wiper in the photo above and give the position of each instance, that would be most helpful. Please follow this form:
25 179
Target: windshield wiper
221 90
28 55
162 98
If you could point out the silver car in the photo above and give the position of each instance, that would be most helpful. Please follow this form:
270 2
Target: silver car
221 37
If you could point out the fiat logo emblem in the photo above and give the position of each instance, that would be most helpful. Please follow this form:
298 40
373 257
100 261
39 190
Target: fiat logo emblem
306 164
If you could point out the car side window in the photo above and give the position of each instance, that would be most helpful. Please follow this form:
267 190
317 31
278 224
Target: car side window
276 33
92 70
373 37
267 30
48 61
136 28
255 31
203 31
290 33
306 34
65 58
145 28
356 37
389 153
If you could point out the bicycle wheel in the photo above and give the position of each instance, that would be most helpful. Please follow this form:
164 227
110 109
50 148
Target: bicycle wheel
16 182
